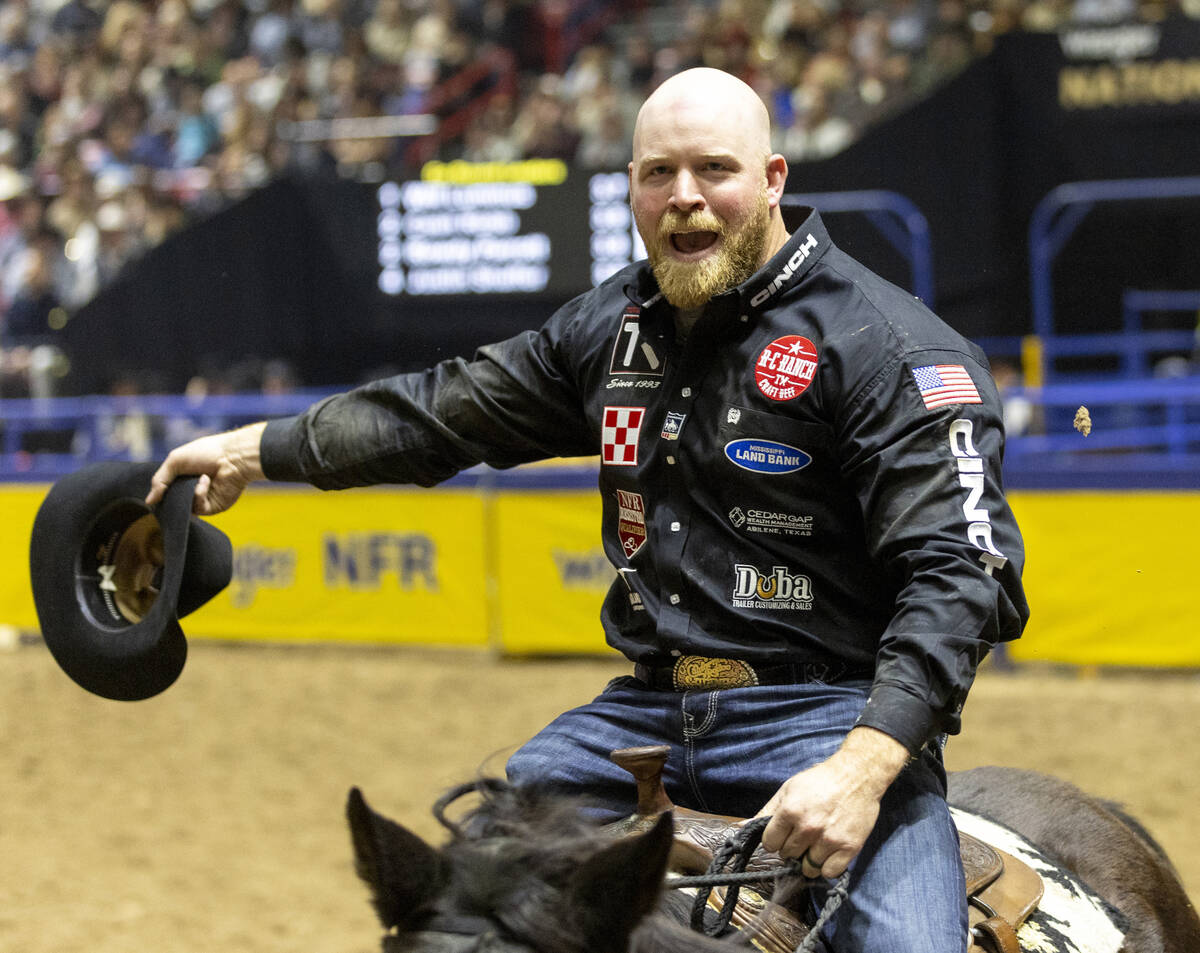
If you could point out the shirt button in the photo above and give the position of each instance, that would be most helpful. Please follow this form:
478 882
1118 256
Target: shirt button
675 527
671 460
744 318
686 392
674 598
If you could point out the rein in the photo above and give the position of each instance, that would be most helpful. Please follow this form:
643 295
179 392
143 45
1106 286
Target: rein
736 852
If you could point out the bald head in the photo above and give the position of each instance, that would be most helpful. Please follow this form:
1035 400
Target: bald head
708 100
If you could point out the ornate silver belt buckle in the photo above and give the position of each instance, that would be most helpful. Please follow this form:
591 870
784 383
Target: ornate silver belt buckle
700 673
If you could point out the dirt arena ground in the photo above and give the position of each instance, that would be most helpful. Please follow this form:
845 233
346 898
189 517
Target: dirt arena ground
209 819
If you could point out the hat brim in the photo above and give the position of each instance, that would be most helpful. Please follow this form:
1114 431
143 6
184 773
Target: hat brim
100 651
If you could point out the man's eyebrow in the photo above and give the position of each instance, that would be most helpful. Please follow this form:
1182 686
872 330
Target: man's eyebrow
648 160
657 159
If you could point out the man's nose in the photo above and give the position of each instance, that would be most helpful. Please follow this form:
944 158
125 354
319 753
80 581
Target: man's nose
686 194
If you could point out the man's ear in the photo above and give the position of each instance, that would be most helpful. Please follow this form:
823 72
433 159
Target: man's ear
403 872
777 173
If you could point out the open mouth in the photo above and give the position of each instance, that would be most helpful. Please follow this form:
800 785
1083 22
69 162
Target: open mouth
692 243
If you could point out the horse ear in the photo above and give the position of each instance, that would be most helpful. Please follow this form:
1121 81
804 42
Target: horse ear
619 885
403 872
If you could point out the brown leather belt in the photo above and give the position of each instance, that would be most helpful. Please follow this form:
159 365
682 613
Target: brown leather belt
700 673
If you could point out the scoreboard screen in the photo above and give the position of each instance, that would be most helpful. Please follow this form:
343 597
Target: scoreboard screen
517 228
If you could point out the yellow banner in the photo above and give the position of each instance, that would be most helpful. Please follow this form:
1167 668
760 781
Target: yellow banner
361 566
18 506
1109 577
1107 574
358 566
551 572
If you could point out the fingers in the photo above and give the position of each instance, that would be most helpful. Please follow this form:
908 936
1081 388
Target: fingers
160 481
809 868
784 838
830 868
218 462
200 502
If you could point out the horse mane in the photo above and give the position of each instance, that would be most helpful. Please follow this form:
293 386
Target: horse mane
515 857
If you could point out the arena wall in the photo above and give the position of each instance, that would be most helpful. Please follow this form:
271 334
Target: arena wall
521 570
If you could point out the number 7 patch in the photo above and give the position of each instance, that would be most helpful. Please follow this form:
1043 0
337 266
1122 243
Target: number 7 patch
632 353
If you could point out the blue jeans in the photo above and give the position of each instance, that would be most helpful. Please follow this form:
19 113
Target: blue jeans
731 750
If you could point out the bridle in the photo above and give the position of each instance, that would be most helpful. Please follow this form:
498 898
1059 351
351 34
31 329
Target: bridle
734 854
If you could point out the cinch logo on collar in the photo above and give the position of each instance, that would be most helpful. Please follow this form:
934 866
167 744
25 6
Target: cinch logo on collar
798 258
785 367
766 456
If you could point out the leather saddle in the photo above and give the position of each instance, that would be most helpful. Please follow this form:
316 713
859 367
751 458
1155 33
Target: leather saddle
1002 891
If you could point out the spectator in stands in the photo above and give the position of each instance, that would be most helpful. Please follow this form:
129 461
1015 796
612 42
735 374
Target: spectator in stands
78 21
29 330
604 144
26 213
270 32
196 133
386 32
16 46
489 137
816 132
544 126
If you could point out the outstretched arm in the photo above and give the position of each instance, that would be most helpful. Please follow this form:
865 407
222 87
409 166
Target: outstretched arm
825 813
226 464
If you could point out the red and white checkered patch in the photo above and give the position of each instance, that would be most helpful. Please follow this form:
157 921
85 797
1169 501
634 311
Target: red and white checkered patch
619 435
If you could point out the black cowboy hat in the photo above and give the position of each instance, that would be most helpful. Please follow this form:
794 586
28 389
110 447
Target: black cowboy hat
113 576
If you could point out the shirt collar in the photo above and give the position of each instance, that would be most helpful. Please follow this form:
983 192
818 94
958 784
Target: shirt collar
808 244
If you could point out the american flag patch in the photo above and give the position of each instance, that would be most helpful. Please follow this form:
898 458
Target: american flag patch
942 384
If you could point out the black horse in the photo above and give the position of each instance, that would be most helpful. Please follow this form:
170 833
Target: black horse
529 872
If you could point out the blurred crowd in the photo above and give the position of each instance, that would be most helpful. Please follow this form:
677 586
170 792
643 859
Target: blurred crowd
123 121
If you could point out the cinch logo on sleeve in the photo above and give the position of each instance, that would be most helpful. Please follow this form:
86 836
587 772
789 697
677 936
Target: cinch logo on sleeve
971 478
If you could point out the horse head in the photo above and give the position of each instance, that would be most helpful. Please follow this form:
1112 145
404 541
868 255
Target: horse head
520 872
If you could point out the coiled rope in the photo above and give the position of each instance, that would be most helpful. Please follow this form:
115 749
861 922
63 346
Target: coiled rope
735 854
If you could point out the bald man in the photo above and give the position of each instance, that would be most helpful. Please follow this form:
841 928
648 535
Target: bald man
800 478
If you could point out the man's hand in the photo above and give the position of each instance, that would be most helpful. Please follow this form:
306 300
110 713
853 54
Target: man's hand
226 464
824 814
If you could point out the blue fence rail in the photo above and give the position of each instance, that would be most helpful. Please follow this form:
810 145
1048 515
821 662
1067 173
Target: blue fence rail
1144 433
896 218
1056 219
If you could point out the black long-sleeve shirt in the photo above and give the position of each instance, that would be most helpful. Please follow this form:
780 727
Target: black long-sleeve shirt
812 475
